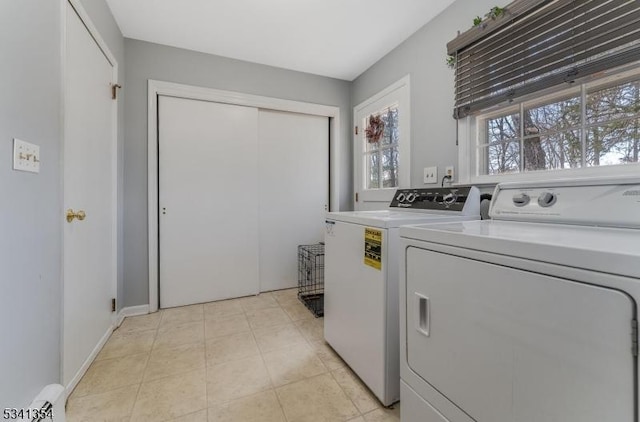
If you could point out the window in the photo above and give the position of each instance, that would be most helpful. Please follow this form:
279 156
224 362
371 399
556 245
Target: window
551 85
381 146
381 153
584 127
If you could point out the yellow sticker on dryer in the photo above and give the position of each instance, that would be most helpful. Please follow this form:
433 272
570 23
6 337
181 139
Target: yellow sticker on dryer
373 248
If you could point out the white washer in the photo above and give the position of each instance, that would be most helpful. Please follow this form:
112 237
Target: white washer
361 279
529 317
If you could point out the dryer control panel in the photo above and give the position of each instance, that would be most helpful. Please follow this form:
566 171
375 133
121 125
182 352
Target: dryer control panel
591 202
438 199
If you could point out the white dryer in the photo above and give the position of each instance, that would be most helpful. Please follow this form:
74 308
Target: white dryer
361 319
529 317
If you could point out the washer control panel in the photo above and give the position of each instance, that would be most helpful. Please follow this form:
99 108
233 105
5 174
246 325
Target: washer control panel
444 199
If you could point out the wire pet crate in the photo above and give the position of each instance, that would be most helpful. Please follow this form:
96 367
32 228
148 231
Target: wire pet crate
311 277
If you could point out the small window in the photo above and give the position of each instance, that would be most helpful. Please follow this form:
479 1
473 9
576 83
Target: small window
381 152
503 144
613 125
549 85
565 132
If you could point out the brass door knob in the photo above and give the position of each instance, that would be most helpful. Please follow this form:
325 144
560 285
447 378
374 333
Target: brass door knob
80 215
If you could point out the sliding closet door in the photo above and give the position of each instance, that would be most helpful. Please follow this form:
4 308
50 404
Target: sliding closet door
294 191
208 201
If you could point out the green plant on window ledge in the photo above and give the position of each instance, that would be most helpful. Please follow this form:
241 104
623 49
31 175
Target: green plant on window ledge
494 13
451 61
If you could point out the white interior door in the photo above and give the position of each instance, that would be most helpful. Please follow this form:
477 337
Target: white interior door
208 201
294 191
89 151
381 163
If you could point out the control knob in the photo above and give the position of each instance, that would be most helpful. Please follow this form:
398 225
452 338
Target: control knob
450 198
546 199
521 199
400 197
411 197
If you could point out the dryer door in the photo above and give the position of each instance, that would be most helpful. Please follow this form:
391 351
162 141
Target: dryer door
507 345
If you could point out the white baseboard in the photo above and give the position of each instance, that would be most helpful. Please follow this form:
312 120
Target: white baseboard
131 311
83 369
124 312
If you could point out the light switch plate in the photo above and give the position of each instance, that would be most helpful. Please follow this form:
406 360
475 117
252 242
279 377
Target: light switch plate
431 175
26 156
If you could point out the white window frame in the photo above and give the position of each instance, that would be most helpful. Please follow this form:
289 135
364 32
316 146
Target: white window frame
396 93
470 137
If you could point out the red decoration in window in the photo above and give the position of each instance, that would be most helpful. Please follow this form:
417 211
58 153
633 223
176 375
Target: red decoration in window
375 129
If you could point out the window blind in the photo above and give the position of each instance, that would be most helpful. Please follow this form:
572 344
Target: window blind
547 44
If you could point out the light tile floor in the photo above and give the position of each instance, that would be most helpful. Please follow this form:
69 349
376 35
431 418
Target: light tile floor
260 358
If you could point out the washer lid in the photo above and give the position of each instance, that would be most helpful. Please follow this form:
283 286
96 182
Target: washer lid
393 218
609 250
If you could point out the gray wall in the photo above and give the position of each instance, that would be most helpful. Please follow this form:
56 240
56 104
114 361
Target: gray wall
145 61
433 130
101 16
30 210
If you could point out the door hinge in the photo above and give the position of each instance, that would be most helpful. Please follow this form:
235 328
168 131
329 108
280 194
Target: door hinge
114 91
356 130
356 196
113 304
634 337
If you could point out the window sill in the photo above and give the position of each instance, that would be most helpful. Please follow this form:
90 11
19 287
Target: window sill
624 170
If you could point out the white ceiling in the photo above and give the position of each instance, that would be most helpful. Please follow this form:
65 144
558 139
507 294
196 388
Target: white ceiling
335 38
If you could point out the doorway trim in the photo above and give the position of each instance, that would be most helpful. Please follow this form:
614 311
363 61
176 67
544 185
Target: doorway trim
170 89
104 48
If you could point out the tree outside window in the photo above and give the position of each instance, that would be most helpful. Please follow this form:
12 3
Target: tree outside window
555 135
382 155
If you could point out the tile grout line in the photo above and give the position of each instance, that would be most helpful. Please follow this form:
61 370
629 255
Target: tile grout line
346 395
328 371
133 332
275 391
244 314
159 328
145 368
112 388
338 383
181 345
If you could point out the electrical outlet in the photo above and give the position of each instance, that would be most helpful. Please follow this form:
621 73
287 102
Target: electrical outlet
449 171
431 175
